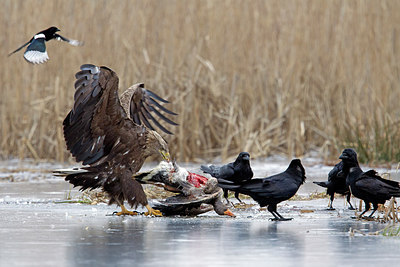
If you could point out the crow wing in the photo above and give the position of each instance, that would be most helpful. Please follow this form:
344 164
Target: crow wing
274 187
224 172
370 183
336 173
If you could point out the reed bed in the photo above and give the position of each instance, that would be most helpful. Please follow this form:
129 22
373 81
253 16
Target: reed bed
268 77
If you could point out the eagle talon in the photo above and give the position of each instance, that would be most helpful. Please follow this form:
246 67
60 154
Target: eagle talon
124 211
131 213
152 212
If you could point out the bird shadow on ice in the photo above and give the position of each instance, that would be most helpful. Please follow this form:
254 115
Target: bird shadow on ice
169 240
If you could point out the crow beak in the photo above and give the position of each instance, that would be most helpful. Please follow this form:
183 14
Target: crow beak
229 213
343 156
246 157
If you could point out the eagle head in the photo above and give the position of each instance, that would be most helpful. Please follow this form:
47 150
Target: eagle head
157 144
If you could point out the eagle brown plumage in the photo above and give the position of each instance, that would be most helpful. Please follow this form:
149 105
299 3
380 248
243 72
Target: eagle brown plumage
113 137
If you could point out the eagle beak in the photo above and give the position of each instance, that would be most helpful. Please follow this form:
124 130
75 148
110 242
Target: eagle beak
229 213
165 155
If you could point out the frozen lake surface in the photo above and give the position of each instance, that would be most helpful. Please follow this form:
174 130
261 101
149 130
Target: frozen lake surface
36 230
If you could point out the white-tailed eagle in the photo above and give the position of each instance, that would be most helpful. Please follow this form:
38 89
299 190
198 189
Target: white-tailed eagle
113 137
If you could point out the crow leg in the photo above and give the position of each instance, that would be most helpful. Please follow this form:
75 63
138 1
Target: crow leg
367 208
226 196
331 202
375 209
237 197
277 216
348 201
372 213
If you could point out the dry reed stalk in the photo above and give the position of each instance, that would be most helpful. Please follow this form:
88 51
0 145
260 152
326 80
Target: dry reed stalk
31 149
391 212
293 77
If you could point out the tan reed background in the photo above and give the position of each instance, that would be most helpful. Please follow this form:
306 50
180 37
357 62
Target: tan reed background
286 77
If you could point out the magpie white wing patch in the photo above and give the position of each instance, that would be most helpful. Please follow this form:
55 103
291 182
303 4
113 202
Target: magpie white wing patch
75 42
36 57
71 42
39 36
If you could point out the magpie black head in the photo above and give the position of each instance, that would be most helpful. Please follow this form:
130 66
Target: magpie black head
349 155
49 33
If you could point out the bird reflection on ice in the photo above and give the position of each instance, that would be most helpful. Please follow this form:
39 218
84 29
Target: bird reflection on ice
207 241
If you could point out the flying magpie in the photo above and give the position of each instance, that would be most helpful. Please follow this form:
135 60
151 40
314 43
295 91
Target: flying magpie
36 51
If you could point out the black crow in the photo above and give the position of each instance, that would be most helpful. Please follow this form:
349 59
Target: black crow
368 186
271 190
337 184
36 51
238 171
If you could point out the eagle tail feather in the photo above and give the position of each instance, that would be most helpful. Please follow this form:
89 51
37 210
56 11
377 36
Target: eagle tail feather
85 180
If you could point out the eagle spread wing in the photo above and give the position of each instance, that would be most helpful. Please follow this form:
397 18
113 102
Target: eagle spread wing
141 105
99 133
